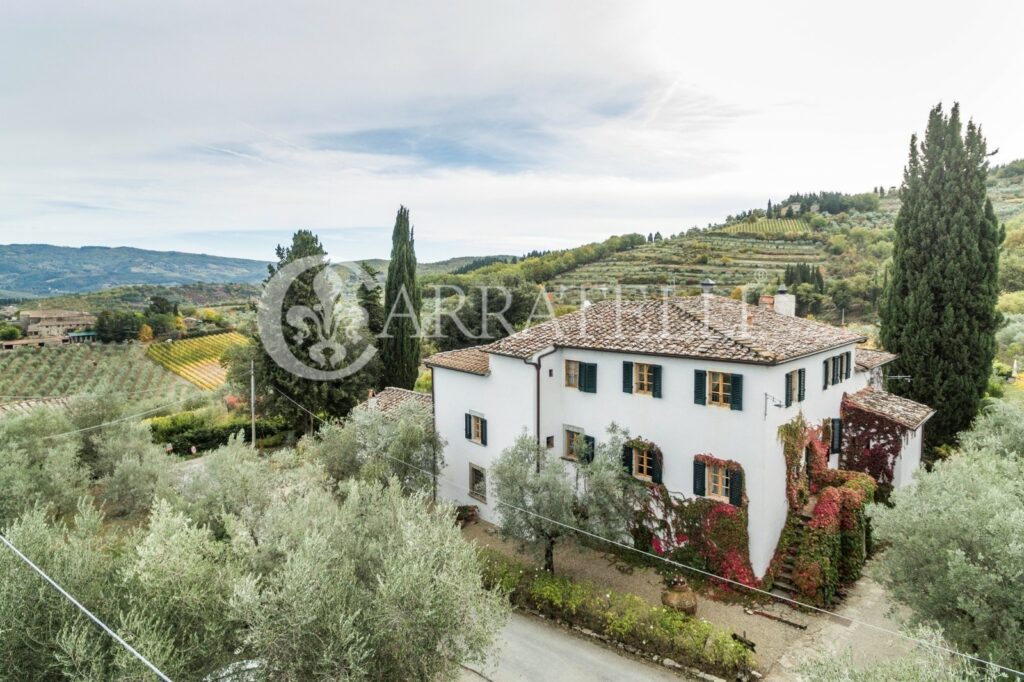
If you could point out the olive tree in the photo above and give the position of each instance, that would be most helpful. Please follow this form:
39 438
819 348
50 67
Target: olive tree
543 504
377 445
377 587
955 555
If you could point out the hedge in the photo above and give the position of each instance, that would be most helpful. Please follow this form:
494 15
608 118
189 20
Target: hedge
187 429
625 618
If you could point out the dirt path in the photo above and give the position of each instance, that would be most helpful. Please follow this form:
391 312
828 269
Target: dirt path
867 602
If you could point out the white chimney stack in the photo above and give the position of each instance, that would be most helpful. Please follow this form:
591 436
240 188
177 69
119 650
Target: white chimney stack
785 303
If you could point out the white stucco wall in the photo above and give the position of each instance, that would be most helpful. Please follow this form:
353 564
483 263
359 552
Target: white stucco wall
680 427
906 465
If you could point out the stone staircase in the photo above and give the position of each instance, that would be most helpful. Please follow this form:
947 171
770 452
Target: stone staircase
784 585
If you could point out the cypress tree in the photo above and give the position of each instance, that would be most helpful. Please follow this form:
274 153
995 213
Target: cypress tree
400 345
938 309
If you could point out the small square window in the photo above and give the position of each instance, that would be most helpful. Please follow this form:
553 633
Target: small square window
720 385
572 374
477 483
550 442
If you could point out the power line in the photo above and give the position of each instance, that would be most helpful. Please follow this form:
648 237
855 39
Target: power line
116 421
852 621
128 647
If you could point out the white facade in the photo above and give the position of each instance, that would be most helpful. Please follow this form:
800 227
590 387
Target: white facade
506 398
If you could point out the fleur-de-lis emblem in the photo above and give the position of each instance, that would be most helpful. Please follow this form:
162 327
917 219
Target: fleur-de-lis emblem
320 322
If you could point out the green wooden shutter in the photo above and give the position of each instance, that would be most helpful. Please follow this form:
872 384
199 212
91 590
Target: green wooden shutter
788 390
656 380
700 387
824 373
588 448
737 392
802 384
837 436
735 487
699 478
588 377
849 363
656 469
835 369
627 459
469 425
627 377
483 432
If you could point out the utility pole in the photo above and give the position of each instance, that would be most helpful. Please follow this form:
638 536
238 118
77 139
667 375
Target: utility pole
252 399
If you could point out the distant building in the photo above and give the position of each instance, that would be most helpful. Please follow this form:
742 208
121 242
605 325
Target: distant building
48 323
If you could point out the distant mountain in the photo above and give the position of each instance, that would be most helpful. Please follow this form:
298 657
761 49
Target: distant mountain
44 270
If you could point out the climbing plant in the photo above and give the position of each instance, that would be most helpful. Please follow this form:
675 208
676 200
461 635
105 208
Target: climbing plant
701 532
871 443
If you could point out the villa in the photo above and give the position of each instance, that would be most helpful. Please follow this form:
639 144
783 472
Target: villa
697 375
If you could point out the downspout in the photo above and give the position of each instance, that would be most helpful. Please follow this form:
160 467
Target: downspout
433 436
536 365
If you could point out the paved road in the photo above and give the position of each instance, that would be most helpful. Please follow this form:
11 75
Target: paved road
533 650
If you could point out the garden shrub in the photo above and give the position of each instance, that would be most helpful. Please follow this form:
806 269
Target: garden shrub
625 618
187 429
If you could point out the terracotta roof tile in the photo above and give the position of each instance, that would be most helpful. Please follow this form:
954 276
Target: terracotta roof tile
711 327
392 397
472 360
900 410
869 358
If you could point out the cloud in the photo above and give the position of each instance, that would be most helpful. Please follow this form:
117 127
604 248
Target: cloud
504 126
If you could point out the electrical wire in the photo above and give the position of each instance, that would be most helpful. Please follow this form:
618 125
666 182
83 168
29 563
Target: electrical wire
851 621
53 583
116 421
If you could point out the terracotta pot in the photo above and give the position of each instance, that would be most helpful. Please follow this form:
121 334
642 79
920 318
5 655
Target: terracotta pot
680 597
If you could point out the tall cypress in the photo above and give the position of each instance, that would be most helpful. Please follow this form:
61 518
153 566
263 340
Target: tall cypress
939 306
400 345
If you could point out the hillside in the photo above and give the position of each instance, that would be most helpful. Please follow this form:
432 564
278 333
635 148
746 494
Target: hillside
32 373
46 270
138 296
851 248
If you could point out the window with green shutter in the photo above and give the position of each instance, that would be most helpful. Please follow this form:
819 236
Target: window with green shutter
627 377
700 387
736 400
588 377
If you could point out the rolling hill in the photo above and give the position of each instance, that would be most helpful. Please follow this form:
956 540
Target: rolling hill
33 270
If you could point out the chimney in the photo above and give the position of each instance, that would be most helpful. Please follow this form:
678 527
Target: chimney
766 302
785 303
707 285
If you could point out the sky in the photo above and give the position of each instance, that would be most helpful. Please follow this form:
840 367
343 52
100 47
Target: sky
222 127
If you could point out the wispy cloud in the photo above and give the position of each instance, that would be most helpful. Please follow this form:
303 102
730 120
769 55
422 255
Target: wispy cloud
505 127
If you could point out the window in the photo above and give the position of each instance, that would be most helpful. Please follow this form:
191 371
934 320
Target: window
794 387
572 373
476 428
550 442
643 378
718 482
477 483
570 442
720 388
643 464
